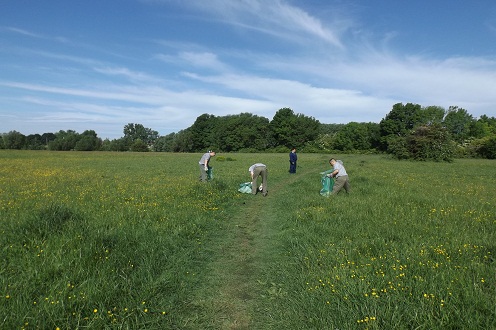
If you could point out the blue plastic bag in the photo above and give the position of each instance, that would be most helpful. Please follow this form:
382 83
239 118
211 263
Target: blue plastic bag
245 188
327 183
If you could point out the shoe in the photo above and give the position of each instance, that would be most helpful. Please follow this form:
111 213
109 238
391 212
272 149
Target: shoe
264 194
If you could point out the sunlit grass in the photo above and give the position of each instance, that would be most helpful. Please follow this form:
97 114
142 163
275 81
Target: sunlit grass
412 247
101 239
122 240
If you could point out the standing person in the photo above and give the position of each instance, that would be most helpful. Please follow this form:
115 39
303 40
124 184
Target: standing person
204 164
339 172
292 160
257 170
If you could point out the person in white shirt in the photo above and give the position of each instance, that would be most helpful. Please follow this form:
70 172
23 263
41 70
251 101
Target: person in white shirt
339 172
204 164
257 170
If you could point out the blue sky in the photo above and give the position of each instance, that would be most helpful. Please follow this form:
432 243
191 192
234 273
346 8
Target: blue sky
99 65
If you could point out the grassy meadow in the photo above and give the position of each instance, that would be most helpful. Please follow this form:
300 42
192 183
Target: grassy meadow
134 241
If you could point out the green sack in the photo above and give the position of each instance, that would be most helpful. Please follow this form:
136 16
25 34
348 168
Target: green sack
327 183
210 173
245 188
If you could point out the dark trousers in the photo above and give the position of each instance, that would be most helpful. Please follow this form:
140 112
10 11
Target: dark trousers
292 167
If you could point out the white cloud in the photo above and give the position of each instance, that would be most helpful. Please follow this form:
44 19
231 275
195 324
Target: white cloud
127 73
23 32
337 79
276 17
206 60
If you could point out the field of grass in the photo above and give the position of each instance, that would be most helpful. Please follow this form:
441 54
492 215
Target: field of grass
134 241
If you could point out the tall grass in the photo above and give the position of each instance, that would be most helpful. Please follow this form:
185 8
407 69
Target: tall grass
97 241
411 248
134 241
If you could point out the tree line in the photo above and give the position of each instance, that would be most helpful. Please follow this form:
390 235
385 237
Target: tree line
408 131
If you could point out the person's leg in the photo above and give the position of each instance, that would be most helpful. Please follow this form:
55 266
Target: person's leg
347 185
292 168
338 184
254 186
203 173
264 181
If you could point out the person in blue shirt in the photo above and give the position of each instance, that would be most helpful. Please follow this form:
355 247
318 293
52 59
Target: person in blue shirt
340 175
292 160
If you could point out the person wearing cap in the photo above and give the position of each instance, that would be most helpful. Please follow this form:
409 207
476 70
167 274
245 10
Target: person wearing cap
204 164
339 173
257 170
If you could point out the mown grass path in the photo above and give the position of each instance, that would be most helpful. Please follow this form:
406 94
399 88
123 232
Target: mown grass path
237 274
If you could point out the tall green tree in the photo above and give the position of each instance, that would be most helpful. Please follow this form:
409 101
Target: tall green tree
489 123
115 145
292 130
432 115
47 137
34 142
14 140
203 133
399 122
133 132
242 132
64 140
324 142
139 146
88 141
486 147
459 123
357 136
431 142
330 129
166 143
183 141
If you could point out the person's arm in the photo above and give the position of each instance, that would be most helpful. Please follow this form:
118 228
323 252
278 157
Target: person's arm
334 173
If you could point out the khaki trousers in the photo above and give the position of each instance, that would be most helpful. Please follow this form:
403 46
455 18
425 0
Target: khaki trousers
259 171
341 182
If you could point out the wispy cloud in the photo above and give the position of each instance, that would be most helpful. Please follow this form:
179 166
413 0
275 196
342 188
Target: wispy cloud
199 60
278 18
31 34
128 74
23 32
95 94
205 60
